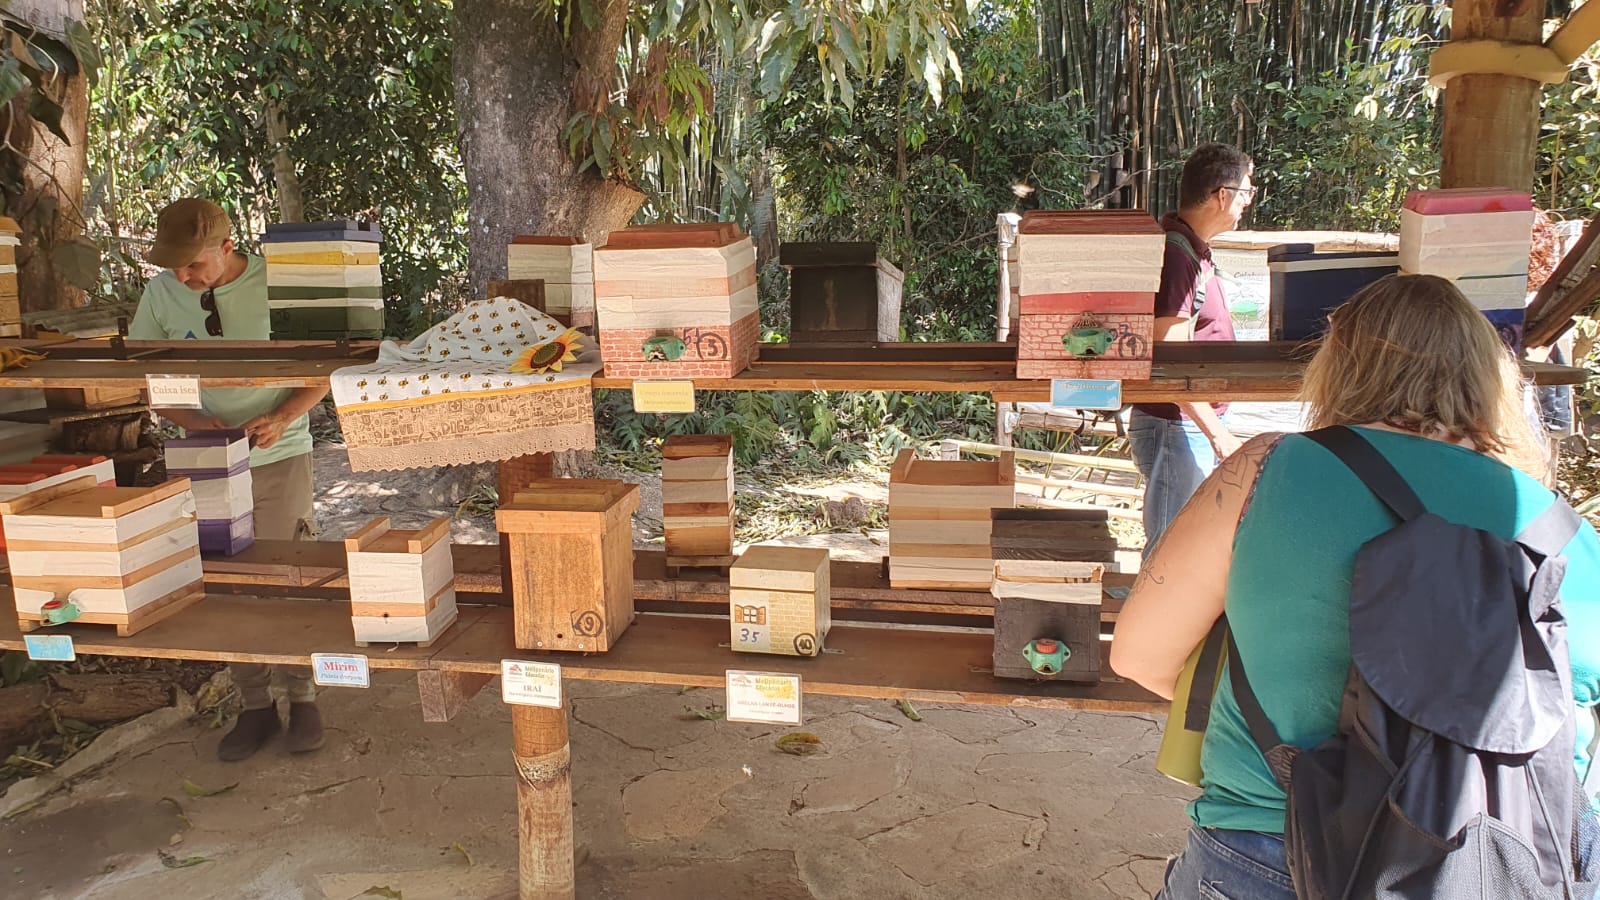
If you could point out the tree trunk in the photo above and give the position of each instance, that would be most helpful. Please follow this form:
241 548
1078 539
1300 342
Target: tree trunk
1491 122
49 205
517 79
291 202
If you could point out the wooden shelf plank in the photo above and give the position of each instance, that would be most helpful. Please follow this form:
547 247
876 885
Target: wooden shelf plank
889 663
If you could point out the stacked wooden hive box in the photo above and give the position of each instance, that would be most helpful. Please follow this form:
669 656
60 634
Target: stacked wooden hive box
119 556
217 464
1087 285
10 300
565 265
677 301
1480 239
1048 566
939 520
697 499
402 583
49 470
324 281
841 294
1306 285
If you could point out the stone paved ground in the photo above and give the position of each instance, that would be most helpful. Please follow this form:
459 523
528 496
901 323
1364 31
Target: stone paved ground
970 802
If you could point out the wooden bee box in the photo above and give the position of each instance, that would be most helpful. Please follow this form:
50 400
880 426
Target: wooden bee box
217 464
1080 535
841 294
697 499
565 265
1051 600
127 557
402 583
778 600
939 520
571 557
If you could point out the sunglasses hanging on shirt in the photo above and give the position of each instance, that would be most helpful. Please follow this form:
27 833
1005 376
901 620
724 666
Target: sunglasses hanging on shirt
208 302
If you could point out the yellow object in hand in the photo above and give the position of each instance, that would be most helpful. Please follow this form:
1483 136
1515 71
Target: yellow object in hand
1179 756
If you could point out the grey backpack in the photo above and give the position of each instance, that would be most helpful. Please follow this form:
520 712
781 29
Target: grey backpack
1451 774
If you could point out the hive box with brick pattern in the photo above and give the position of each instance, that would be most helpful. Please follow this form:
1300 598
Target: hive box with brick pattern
697 499
324 281
10 301
123 556
778 600
217 464
1048 566
570 548
402 583
50 470
565 265
1480 239
939 520
1087 269
694 284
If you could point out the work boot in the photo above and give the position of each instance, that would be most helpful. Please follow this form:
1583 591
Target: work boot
253 729
305 728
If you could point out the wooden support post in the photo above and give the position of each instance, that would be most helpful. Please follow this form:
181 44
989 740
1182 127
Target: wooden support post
445 693
544 802
1491 122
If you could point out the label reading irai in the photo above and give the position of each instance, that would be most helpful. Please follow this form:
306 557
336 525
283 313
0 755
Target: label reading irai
768 698
530 683
173 391
340 670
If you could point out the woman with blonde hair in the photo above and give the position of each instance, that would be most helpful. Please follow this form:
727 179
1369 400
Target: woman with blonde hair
1271 539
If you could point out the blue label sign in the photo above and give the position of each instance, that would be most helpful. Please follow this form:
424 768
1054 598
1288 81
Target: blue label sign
50 647
1086 393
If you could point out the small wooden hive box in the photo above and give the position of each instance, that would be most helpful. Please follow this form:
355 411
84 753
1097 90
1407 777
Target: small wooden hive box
10 300
402 583
677 301
324 280
841 294
217 464
50 470
697 499
127 557
565 265
1077 535
778 600
571 557
1051 608
939 520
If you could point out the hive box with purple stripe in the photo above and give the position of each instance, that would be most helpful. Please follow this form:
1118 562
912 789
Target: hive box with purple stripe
1307 285
217 464
324 281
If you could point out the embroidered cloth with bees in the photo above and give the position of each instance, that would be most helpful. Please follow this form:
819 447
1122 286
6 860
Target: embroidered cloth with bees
497 380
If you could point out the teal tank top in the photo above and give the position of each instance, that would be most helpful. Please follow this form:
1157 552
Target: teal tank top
1289 588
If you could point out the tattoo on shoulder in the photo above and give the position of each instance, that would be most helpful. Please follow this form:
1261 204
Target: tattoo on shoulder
1239 471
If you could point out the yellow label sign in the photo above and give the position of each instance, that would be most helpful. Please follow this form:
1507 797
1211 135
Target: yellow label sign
675 396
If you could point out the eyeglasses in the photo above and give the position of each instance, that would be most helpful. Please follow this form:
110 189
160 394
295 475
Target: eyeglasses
1247 191
208 302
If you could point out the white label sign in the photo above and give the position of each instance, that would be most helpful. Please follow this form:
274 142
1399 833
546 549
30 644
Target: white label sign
173 391
767 698
530 683
340 670
50 647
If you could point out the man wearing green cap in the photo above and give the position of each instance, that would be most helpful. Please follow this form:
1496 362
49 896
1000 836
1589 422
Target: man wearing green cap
210 291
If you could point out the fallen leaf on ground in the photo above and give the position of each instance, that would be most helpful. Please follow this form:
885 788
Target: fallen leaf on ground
379 891
175 862
799 743
710 713
195 790
178 808
910 711
456 846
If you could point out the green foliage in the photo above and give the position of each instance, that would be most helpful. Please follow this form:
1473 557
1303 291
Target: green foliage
1569 142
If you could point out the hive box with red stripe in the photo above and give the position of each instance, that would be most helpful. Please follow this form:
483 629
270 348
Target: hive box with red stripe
677 301
323 280
49 470
565 265
1480 239
124 556
217 463
1087 285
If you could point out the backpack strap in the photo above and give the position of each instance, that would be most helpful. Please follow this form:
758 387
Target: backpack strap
1279 756
1552 530
1178 240
1376 472
1203 687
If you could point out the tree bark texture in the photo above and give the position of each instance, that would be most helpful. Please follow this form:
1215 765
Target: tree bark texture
49 205
291 201
518 81
544 802
1491 122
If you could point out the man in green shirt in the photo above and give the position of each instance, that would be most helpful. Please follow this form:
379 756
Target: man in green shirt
210 291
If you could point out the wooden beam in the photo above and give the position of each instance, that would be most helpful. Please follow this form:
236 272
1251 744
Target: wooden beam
1491 121
445 693
1577 34
1562 296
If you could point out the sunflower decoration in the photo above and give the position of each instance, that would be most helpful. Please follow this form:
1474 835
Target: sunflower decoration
548 357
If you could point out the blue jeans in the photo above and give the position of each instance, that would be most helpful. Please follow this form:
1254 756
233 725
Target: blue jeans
1229 865
1173 457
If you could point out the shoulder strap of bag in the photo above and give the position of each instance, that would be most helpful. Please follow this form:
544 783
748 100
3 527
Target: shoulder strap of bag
1181 242
1377 473
1552 530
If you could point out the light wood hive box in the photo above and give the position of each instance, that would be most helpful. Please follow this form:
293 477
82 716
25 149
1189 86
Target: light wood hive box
565 265
571 557
697 499
402 583
939 520
1047 599
778 600
127 557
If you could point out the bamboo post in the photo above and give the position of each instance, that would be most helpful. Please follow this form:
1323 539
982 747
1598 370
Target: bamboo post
1491 122
544 803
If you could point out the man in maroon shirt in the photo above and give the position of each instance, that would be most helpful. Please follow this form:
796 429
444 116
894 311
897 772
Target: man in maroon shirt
1176 445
